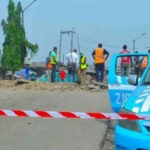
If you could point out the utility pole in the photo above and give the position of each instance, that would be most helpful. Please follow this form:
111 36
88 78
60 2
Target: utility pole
0 57
134 46
63 59
143 34
71 44
61 36
22 41
78 45
25 10
60 46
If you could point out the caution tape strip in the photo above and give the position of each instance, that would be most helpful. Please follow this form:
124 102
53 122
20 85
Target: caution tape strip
73 115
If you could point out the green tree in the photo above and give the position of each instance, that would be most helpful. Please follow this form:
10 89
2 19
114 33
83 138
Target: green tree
15 45
25 44
11 57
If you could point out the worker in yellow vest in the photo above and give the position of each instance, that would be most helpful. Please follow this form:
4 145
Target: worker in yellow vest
82 68
53 60
99 59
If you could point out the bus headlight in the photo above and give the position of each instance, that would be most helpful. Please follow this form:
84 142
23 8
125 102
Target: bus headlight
130 125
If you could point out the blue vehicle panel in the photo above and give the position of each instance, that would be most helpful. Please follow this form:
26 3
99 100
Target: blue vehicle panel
130 140
139 101
135 99
119 89
119 94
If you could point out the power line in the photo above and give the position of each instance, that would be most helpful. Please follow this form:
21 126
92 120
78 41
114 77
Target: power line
92 42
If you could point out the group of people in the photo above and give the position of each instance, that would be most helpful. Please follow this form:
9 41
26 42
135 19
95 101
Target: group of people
139 63
136 64
77 65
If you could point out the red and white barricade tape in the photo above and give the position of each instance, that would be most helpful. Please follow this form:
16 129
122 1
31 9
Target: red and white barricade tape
73 115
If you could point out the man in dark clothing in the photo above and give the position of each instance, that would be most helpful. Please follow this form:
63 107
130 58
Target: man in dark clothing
100 55
137 64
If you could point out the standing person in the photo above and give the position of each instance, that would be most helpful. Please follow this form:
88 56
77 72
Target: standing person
53 60
125 61
82 68
72 64
99 58
28 62
137 64
48 67
144 63
62 75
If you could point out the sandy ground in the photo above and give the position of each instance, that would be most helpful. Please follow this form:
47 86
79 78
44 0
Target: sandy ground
53 134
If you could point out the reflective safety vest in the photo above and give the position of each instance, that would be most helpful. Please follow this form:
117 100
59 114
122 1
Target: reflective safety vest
48 64
83 63
99 56
144 62
125 59
53 59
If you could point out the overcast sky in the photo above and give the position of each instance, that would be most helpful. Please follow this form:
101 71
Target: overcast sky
111 22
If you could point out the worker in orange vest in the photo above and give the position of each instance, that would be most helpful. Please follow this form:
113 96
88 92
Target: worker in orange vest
144 63
99 59
48 68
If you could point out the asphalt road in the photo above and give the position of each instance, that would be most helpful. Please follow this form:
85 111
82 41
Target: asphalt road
52 134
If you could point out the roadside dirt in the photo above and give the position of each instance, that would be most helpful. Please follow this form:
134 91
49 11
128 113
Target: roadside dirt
91 86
